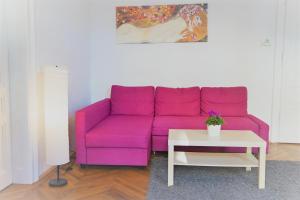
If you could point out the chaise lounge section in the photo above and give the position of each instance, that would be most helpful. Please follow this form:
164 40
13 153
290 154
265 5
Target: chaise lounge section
116 131
124 129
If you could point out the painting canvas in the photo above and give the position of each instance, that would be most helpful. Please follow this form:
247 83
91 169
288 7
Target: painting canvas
162 23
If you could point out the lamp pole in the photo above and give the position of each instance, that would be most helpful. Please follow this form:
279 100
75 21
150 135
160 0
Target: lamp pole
58 182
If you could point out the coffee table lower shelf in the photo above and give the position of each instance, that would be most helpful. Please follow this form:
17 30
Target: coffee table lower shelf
215 159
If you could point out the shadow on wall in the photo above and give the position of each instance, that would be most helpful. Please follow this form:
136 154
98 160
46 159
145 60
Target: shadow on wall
72 131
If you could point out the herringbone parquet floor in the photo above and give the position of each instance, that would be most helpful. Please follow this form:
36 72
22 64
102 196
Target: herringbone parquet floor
109 183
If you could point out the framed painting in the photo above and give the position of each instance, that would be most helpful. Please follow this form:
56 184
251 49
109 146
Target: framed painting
162 23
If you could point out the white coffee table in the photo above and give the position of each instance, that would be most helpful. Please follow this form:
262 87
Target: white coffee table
228 138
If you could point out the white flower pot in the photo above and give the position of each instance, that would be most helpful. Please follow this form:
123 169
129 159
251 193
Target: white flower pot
214 130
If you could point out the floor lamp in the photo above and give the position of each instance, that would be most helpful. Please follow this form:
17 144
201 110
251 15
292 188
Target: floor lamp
55 100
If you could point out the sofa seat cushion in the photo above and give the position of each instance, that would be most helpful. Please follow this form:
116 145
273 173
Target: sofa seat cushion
132 100
240 123
177 101
227 101
121 132
162 124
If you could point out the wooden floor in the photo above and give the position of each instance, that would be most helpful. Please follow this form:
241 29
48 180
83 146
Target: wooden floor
107 183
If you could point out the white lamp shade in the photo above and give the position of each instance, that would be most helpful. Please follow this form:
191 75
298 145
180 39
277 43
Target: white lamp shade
55 98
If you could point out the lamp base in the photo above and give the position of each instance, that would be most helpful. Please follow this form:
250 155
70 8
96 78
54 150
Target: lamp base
58 182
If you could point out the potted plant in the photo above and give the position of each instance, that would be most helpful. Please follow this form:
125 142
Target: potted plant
214 123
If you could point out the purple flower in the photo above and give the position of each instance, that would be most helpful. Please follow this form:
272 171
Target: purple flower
213 114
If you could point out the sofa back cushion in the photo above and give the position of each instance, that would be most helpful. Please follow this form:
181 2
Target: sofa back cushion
132 100
177 101
227 101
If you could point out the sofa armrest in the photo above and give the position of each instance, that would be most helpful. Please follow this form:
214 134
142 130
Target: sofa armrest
91 115
263 129
86 119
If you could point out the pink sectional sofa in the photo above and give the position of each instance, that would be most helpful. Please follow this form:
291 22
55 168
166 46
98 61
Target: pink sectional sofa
124 129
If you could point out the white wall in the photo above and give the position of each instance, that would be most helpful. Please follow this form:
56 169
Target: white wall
62 38
234 54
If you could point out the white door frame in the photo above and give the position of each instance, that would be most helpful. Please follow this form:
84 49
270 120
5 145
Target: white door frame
20 22
278 65
290 89
279 69
5 147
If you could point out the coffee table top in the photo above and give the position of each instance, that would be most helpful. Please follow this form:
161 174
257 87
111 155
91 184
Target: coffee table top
227 138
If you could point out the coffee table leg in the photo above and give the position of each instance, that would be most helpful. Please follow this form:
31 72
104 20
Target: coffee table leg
249 152
262 167
171 165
